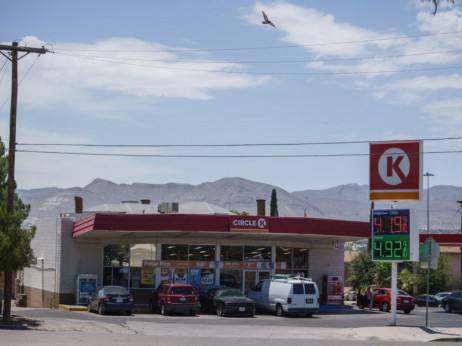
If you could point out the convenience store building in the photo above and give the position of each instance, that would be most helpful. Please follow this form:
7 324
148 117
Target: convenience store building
140 251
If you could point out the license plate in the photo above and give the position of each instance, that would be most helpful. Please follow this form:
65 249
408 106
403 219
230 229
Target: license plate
241 308
406 301
182 299
309 301
119 300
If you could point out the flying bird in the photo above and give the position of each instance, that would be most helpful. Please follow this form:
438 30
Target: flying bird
266 20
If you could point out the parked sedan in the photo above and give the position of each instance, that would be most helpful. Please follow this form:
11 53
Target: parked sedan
452 302
227 301
422 300
110 298
382 300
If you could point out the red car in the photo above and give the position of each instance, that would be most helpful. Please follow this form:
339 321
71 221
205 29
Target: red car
174 298
382 300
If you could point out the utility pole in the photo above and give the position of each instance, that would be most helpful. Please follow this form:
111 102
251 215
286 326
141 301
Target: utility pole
14 49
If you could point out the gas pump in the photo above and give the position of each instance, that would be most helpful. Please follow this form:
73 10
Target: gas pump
332 289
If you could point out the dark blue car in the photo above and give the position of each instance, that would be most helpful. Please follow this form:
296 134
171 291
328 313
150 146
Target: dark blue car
111 298
452 302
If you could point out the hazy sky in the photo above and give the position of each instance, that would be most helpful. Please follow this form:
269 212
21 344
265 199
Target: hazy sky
175 86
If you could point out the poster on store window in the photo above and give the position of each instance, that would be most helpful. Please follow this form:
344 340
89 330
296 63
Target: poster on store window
194 276
207 277
181 275
166 275
147 276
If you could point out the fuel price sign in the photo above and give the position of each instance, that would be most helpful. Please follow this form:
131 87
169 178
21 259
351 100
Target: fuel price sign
395 237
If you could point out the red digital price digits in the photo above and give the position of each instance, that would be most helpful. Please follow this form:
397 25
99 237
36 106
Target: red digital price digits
390 224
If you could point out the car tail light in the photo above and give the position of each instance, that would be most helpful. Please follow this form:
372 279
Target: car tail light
289 300
130 299
106 299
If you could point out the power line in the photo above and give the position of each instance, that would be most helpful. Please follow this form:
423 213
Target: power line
271 73
229 145
262 62
263 47
217 156
22 79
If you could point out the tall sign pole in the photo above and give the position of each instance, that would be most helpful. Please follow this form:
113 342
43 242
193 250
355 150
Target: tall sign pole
14 49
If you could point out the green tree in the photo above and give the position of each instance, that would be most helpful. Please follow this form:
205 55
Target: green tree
15 243
439 277
382 274
406 280
239 212
274 204
362 271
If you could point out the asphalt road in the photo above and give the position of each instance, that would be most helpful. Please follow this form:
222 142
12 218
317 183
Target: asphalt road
351 327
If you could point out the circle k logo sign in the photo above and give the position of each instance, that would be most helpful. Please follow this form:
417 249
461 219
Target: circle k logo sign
394 166
248 224
395 170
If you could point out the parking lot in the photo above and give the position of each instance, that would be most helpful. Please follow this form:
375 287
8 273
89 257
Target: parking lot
348 325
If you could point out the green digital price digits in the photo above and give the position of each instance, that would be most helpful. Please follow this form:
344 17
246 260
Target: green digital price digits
395 249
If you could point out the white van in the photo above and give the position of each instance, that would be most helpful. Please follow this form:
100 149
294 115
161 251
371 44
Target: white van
291 295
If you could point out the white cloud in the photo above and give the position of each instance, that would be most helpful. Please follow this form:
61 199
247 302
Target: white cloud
76 73
447 112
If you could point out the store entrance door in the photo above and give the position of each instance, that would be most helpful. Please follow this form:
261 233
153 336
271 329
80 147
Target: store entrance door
250 279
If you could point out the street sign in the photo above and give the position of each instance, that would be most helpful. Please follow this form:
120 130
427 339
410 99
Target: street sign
429 247
395 235
395 171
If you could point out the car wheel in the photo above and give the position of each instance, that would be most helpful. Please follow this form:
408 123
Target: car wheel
163 310
100 309
309 315
192 312
447 308
279 310
407 311
385 307
220 310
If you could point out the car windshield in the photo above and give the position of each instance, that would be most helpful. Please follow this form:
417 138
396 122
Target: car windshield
182 290
116 291
230 293
402 293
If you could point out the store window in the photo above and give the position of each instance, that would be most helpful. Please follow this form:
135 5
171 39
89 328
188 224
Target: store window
300 258
232 253
140 252
116 262
120 276
174 252
142 277
257 253
300 266
231 278
116 255
201 252
296 260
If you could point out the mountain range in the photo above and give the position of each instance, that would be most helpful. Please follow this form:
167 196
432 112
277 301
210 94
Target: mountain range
344 202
